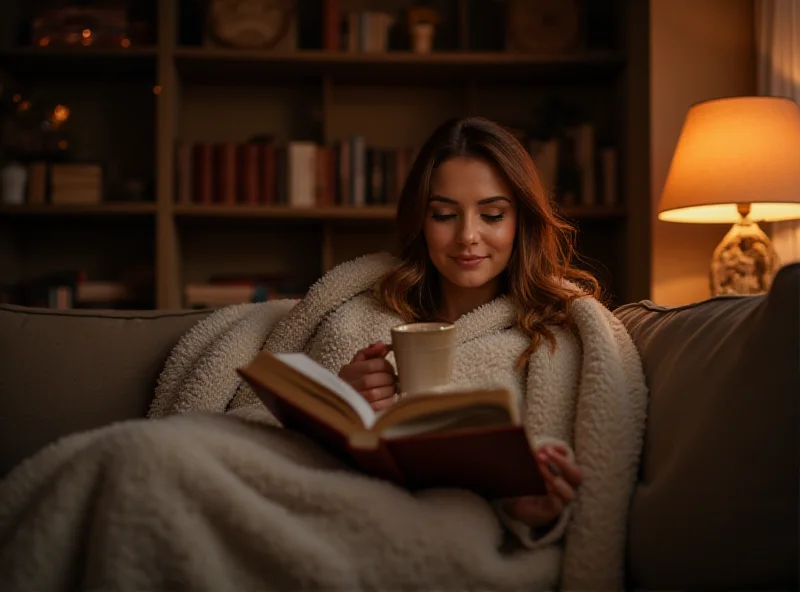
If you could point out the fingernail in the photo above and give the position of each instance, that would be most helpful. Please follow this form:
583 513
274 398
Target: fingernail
554 470
543 457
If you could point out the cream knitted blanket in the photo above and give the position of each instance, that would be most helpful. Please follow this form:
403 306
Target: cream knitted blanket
207 501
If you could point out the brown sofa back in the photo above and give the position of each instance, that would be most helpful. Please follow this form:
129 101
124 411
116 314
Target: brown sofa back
716 506
68 371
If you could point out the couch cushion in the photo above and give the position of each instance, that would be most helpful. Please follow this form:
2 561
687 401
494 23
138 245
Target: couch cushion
67 371
717 502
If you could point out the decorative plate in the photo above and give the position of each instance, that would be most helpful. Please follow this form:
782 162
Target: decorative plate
253 24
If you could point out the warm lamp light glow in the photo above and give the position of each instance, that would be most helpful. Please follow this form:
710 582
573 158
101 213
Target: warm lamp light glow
742 150
727 213
738 162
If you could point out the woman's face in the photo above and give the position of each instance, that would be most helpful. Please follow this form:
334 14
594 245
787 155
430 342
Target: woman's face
470 223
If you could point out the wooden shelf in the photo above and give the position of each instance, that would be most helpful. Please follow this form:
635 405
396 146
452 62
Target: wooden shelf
401 67
107 209
286 212
105 62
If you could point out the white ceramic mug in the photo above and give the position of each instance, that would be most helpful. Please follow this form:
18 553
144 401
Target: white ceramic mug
424 353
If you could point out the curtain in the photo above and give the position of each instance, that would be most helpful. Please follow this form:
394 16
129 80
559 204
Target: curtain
778 47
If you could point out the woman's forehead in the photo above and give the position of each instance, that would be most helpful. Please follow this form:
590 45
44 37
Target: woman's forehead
468 180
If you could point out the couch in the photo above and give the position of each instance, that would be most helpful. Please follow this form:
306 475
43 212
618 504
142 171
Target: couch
716 504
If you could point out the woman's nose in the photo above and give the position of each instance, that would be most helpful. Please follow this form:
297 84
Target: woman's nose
468 233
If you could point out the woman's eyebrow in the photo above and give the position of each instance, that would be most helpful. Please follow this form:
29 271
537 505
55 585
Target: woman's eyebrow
483 202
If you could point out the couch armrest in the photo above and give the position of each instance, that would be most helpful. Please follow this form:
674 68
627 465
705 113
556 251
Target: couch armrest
64 371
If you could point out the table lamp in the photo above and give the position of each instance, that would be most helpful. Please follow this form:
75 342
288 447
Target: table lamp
737 162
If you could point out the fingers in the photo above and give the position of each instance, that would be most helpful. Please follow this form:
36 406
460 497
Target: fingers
372 375
375 380
376 394
373 366
368 374
535 510
382 404
376 350
562 477
568 469
563 490
356 372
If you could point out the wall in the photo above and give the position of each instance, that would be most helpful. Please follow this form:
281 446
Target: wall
699 49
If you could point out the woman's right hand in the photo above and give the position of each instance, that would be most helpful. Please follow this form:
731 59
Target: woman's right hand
372 375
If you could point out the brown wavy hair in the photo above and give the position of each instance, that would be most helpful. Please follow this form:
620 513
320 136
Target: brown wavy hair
543 252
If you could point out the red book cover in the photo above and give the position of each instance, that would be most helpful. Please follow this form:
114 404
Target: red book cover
331 25
326 191
225 161
249 177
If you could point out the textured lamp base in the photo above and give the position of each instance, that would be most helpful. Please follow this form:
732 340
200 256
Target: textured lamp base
744 262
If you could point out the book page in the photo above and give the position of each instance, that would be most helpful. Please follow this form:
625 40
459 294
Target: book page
455 403
321 375
450 421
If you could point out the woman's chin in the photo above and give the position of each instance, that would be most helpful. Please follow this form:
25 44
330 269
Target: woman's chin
468 280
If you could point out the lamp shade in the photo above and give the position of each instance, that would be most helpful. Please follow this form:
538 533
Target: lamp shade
741 150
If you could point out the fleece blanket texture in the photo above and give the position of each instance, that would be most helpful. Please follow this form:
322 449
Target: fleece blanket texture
209 493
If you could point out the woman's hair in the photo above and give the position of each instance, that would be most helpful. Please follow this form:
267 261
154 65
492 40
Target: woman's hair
543 247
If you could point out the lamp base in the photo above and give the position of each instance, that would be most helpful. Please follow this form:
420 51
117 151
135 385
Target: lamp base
744 262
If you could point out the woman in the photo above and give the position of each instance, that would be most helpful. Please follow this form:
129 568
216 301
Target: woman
207 497
475 224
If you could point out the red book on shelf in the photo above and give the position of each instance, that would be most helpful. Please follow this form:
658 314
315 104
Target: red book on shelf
249 177
325 176
225 161
471 440
331 25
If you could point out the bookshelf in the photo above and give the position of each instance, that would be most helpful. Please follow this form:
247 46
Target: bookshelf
132 107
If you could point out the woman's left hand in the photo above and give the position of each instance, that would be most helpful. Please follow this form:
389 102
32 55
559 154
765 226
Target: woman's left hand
562 478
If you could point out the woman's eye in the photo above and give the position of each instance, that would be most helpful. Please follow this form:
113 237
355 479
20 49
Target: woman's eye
493 218
441 217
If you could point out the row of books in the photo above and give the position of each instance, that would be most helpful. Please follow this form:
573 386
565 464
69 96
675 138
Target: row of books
298 174
575 170
364 31
74 289
304 174
225 290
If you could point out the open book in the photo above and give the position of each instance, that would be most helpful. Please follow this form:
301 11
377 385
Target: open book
467 439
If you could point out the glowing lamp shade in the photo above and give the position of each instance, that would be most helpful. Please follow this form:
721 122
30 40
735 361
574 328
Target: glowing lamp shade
737 162
743 150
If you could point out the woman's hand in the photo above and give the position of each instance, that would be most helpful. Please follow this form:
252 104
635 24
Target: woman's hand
372 376
562 478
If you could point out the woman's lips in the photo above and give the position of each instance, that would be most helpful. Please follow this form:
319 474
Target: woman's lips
469 261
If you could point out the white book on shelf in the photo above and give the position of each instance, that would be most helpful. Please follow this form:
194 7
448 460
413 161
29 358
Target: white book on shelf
302 158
